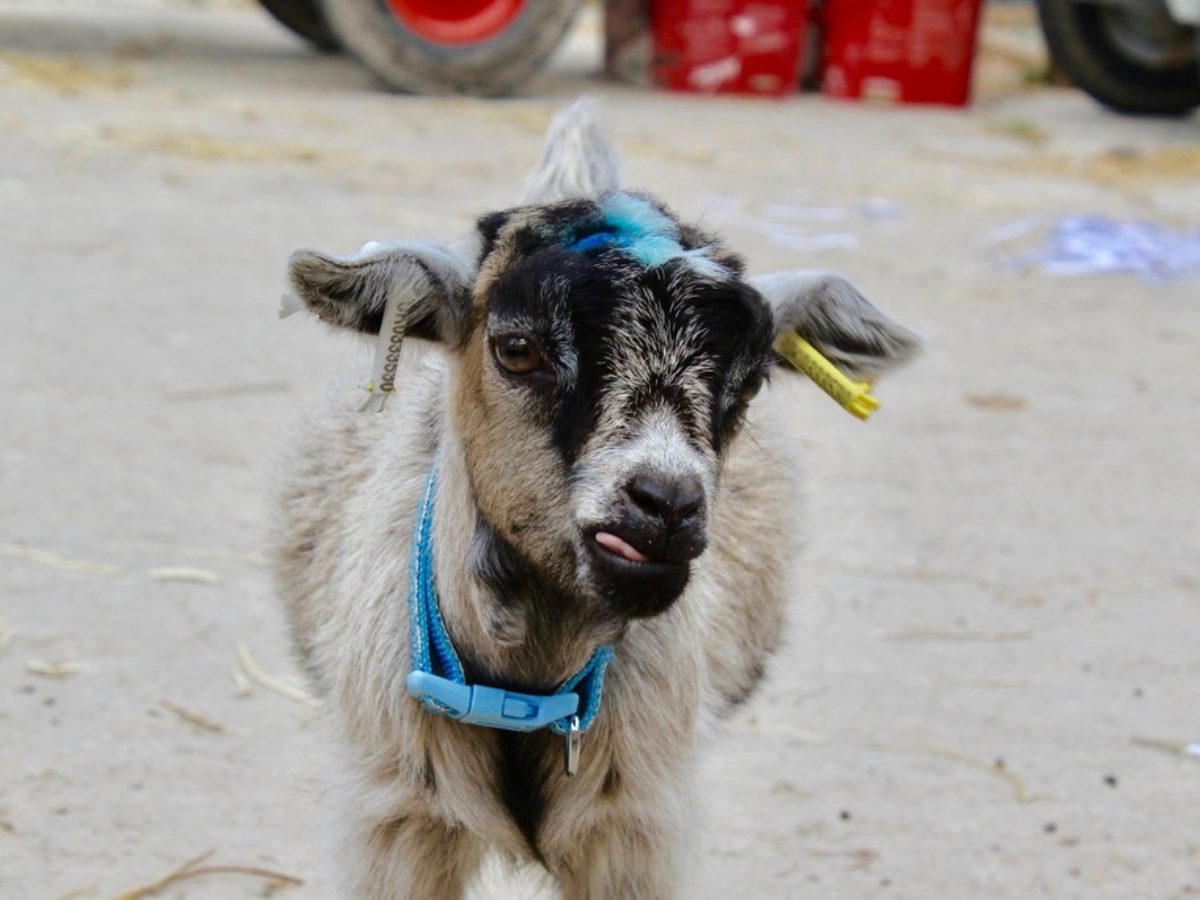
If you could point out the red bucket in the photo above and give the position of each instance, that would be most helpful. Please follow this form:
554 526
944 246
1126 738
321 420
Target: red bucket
729 46
903 51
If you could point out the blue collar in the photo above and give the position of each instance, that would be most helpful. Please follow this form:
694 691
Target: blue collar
438 680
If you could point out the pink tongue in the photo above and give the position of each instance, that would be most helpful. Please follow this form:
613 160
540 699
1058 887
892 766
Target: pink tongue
619 547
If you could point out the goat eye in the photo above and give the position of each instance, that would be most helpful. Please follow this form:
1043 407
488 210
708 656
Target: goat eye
517 354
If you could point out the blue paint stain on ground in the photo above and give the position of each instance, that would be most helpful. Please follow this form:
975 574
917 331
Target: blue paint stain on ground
1096 245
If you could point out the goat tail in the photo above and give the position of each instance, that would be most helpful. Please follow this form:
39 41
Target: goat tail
579 159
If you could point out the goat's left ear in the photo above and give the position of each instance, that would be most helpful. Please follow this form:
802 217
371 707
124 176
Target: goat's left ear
829 312
431 281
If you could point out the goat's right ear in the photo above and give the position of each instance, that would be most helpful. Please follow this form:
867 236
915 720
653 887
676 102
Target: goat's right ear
432 282
828 311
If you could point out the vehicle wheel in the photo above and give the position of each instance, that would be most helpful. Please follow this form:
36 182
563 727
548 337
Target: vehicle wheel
306 19
1135 59
484 47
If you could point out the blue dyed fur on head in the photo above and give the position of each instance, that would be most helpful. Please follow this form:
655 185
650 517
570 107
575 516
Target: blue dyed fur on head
645 234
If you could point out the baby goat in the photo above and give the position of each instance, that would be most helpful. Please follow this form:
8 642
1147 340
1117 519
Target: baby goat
564 518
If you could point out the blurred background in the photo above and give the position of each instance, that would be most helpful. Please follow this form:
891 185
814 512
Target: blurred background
990 683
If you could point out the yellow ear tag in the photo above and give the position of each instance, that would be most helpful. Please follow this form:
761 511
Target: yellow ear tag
852 395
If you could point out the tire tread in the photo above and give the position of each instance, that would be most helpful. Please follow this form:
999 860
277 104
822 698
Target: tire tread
1078 45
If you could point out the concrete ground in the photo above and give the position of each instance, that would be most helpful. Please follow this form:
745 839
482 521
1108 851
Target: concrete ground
993 663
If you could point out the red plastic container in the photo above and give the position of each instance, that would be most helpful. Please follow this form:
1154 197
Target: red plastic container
729 46
904 51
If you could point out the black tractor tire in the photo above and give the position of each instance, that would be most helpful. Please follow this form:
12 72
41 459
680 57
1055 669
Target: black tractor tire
407 61
1082 45
305 18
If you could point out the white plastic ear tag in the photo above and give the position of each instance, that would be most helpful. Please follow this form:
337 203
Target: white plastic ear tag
387 348
387 344
289 304
387 357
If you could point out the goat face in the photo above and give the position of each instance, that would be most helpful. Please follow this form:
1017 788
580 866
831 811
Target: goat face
602 357
613 358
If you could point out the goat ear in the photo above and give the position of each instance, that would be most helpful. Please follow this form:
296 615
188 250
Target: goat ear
432 282
829 312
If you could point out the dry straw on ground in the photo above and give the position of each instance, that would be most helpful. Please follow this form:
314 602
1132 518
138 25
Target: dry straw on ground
193 869
53 560
53 670
251 668
188 574
193 718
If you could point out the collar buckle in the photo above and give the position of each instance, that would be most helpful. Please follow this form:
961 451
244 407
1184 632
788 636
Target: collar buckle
491 707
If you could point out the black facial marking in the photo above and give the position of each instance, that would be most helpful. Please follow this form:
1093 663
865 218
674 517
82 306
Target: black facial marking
720 329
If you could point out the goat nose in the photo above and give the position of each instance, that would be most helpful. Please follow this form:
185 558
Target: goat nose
671 499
